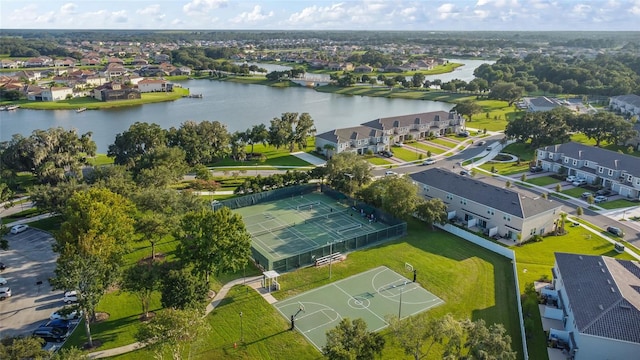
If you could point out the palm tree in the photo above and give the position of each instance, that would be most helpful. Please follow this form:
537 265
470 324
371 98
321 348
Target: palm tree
328 150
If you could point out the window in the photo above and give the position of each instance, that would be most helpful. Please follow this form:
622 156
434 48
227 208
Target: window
610 172
629 178
600 169
575 162
550 156
566 160
490 211
449 197
463 201
586 163
533 231
506 217
425 188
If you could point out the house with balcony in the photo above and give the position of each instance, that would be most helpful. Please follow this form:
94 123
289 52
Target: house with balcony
598 307
418 126
599 167
385 131
359 139
496 211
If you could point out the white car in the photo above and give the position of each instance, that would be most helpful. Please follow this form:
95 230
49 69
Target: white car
429 161
70 297
66 314
3 281
390 173
5 292
571 178
17 229
599 199
579 182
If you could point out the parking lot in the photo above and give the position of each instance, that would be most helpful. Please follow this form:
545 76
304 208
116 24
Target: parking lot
30 262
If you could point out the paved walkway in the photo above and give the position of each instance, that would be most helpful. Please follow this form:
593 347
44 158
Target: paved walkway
253 282
313 160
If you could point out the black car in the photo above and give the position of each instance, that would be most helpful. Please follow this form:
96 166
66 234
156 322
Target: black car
2 266
52 334
536 169
58 323
615 231
386 153
603 192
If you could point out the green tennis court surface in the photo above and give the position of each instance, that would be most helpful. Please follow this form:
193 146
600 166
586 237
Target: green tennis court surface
370 295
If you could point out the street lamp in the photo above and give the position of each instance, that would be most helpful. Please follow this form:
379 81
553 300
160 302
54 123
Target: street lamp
330 257
241 332
400 305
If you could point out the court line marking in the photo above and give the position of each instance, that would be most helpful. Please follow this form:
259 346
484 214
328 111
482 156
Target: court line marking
369 310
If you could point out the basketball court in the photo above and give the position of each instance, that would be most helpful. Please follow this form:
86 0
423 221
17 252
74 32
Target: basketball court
370 295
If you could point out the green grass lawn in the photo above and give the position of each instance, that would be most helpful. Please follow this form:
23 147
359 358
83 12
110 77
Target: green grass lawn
575 192
274 157
422 146
505 168
378 160
100 159
406 154
445 143
543 181
617 204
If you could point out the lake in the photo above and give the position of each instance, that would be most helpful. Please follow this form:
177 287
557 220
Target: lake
239 106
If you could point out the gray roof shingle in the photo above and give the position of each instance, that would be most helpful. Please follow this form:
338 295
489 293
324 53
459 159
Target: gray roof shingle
351 133
409 120
505 200
606 158
631 99
603 296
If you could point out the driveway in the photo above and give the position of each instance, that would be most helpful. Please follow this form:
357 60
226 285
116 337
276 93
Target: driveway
30 262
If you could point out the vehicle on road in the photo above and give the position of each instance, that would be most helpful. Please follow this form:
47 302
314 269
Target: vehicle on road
429 161
571 178
66 313
481 143
17 229
579 182
599 199
465 173
390 173
615 231
70 297
5 292
3 281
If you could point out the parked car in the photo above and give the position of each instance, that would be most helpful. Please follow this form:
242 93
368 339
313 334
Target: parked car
17 229
66 314
3 281
535 169
52 334
463 134
5 292
571 178
615 231
429 161
599 199
70 297
585 195
579 182
390 173
2 266
603 192
399 144
464 173
386 153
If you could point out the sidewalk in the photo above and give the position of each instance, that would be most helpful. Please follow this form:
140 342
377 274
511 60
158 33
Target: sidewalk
253 282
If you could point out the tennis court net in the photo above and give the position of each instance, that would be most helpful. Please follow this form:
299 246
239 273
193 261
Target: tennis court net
326 216
262 232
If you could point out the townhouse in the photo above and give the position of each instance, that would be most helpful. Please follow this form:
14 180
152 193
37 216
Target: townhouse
496 211
598 307
377 135
626 104
599 167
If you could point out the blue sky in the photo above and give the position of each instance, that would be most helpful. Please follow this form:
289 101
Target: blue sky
439 15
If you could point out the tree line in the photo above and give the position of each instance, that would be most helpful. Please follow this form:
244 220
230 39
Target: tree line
606 75
556 126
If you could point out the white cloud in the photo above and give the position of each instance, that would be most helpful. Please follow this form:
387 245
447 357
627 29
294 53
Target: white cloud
635 8
446 11
255 15
119 16
200 7
68 8
317 14
152 11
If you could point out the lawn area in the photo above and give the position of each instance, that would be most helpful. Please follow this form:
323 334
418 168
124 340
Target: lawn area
375 160
384 91
618 204
422 146
543 181
274 157
406 154
266 333
575 192
505 168
446 143
100 159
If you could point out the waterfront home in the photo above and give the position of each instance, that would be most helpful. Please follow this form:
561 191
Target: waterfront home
49 93
359 139
153 85
114 91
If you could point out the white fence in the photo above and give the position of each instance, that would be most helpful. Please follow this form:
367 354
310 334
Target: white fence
509 254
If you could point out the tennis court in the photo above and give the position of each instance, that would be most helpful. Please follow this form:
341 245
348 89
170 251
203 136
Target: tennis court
294 231
370 295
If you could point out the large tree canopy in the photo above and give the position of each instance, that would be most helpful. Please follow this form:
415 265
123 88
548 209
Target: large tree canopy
347 171
214 242
203 142
352 341
139 139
